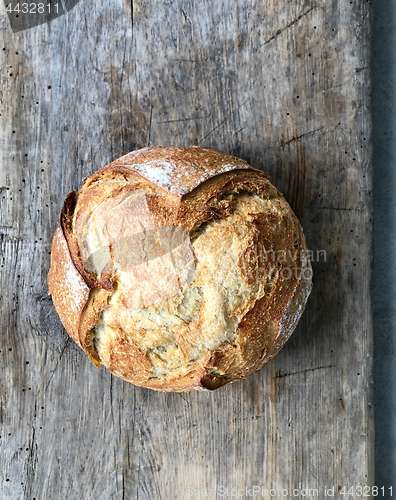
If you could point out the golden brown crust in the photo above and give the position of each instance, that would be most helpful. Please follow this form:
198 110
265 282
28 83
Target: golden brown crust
68 289
188 188
96 303
177 171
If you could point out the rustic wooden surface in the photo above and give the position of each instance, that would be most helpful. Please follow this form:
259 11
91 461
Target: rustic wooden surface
282 84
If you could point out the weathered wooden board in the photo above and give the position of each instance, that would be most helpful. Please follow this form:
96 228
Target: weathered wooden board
286 86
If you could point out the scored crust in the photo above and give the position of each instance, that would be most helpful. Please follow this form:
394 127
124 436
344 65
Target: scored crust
195 189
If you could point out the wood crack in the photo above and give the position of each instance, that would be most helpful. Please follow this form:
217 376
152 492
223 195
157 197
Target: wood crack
150 123
292 23
184 119
300 136
353 209
223 121
281 375
132 21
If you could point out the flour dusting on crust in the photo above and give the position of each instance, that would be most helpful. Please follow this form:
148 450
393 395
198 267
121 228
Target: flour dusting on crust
179 176
69 291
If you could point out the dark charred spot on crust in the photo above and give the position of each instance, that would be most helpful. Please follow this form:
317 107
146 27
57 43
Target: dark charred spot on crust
214 213
66 216
212 381
263 353
66 223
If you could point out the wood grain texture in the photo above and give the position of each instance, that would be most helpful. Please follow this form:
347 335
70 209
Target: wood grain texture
283 85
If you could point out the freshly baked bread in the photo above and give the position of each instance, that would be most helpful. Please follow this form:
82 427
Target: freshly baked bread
179 268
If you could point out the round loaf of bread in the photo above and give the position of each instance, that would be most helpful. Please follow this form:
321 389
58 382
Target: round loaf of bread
179 268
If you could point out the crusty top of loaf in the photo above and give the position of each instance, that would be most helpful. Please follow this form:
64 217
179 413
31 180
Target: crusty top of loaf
189 188
177 170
